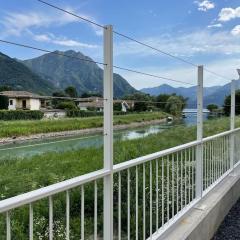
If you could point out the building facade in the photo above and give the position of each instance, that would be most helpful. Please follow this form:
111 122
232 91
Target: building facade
22 100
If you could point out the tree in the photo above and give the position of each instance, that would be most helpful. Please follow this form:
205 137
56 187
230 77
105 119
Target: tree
71 91
161 101
91 94
5 88
174 105
117 106
3 102
141 101
67 105
56 101
212 107
227 104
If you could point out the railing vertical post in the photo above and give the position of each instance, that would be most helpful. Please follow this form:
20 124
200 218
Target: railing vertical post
108 132
199 153
232 123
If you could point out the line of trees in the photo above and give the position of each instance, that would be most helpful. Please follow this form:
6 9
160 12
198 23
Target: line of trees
170 103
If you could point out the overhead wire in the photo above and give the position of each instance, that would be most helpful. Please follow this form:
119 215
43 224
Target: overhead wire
131 39
88 60
48 51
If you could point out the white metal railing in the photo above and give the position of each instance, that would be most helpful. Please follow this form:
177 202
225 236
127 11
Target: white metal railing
150 193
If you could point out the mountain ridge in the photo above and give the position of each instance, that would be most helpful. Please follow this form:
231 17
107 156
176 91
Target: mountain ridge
212 95
86 76
19 77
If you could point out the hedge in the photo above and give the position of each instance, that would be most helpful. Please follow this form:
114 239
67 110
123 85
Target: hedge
82 113
7 115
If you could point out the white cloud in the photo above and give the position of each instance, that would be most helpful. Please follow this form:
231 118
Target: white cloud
184 45
205 5
236 31
15 23
62 41
228 14
217 25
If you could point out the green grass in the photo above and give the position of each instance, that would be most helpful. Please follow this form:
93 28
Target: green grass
22 175
26 128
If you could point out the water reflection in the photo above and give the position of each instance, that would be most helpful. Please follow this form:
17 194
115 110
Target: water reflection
31 148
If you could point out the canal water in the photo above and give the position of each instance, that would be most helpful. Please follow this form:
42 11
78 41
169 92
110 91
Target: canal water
34 147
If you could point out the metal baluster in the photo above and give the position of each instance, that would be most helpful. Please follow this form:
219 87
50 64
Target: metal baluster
8 223
157 195
67 215
119 205
50 218
95 209
30 221
181 180
167 188
177 184
144 202
150 199
82 213
163 215
136 202
173 202
128 203
185 178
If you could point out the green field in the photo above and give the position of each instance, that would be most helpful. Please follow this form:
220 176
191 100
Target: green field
25 128
22 175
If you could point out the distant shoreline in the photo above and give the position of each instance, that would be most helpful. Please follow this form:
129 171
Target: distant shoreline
87 131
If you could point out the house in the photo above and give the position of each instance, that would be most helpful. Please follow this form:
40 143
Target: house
95 103
22 100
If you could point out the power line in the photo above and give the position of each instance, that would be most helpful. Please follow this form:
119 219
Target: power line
132 39
152 75
73 14
216 74
120 34
88 60
48 51
155 49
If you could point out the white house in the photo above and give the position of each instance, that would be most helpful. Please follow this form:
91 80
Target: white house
22 100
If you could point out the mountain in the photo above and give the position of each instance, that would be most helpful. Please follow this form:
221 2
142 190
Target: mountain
19 77
215 94
70 71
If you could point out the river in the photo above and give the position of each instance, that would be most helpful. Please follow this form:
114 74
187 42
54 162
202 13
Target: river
34 147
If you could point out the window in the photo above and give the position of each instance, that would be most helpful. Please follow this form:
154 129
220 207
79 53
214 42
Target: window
10 102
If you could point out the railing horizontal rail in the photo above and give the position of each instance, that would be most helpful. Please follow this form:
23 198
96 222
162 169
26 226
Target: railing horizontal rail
51 190
152 156
220 135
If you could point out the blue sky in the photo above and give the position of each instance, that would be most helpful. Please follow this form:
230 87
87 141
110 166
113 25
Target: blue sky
204 32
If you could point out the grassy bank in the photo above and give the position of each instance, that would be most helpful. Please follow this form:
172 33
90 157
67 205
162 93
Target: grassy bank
18 176
26 128
22 175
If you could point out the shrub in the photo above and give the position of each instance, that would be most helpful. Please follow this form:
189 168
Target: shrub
20 115
3 102
212 107
66 105
81 113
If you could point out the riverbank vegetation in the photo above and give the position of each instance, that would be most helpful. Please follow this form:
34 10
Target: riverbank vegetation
26 128
22 175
